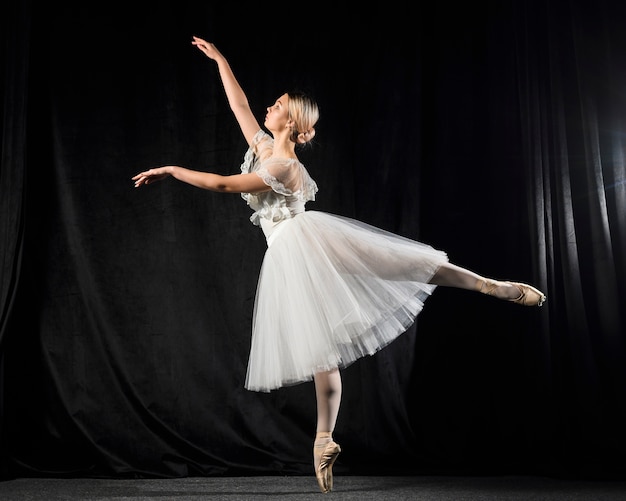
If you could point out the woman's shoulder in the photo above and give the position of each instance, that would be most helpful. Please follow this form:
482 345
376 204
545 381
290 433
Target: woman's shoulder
262 144
262 137
293 175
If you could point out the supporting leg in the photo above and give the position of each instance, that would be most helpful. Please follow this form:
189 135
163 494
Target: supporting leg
325 451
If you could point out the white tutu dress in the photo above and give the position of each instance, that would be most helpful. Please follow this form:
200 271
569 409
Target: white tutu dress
331 289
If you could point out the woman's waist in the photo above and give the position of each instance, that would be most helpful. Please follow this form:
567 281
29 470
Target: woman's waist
271 228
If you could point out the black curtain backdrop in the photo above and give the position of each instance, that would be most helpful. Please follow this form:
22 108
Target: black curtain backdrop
492 130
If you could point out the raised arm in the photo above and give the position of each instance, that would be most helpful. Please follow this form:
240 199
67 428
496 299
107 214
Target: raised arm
236 97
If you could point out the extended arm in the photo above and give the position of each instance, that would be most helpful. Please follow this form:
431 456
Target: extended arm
236 183
234 93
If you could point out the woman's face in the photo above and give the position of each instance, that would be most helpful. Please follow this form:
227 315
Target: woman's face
277 115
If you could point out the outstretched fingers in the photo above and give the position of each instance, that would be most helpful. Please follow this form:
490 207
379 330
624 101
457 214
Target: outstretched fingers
148 176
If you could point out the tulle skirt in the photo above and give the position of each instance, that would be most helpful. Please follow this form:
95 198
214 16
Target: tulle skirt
331 290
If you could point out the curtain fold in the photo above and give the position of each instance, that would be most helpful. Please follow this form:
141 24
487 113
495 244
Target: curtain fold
571 104
15 29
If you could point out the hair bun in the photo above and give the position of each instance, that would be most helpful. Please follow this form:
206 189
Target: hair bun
306 136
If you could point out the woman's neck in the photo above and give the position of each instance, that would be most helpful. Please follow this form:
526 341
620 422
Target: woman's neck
283 147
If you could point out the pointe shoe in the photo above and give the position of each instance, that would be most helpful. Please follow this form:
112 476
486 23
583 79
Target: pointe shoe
528 295
325 455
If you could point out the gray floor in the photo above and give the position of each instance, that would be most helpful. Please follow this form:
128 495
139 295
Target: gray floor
428 488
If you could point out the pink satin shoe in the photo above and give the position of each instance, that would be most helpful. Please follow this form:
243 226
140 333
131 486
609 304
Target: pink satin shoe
528 295
325 455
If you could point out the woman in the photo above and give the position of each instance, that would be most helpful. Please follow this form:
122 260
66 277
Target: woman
331 289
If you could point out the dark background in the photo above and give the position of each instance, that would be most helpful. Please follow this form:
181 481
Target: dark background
491 130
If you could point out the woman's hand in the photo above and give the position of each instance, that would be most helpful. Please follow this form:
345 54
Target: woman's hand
152 175
208 48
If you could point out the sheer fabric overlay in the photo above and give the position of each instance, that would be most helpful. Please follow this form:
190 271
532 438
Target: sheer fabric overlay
331 289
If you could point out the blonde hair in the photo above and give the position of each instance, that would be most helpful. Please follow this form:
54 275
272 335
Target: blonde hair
304 113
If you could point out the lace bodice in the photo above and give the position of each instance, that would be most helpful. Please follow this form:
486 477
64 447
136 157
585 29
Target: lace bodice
291 184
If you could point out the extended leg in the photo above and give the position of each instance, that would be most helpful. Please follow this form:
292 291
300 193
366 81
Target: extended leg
451 275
